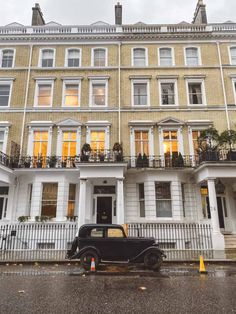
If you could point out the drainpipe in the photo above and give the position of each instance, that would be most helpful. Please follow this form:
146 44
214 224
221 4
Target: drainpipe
223 86
119 94
26 99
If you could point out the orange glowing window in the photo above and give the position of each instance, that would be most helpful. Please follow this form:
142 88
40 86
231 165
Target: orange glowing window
69 144
40 143
97 140
71 95
170 143
141 143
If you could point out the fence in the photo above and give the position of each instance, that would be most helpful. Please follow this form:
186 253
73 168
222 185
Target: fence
50 241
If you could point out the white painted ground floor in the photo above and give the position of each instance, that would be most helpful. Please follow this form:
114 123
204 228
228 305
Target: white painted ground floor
111 193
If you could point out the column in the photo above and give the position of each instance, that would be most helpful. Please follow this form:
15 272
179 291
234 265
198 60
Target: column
82 201
36 200
120 210
62 200
217 237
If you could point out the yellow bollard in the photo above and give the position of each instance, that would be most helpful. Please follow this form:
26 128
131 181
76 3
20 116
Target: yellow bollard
202 269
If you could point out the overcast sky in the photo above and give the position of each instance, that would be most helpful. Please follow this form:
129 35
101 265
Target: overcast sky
69 12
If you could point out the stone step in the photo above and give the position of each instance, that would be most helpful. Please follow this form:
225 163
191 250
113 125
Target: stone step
230 241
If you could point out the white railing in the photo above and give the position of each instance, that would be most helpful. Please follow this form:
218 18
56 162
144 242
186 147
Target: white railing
111 29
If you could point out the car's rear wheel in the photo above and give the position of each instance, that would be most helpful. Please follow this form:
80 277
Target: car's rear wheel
153 260
86 259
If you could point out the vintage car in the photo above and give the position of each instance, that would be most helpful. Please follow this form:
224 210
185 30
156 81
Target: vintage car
109 243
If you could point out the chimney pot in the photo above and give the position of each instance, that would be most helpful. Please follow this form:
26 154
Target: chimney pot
118 14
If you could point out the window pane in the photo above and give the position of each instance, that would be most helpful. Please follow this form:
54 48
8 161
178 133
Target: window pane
71 95
139 57
49 199
7 58
165 57
97 140
195 93
4 95
163 199
99 57
44 95
140 94
163 209
99 94
47 58
233 55
163 190
192 56
73 58
168 93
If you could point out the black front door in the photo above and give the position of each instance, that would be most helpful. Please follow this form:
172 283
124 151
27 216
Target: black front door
104 210
220 212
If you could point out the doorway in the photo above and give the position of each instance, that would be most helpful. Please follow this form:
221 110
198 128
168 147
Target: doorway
104 210
222 211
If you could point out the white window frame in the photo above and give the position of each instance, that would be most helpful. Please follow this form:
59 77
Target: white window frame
67 55
4 129
72 82
172 56
171 195
230 56
140 81
175 91
43 82
41 55
199 56
30 147
94 82
13 61
202 82
234 89
61 130
148 129
7 82
104 128
146 56
92 56
180 140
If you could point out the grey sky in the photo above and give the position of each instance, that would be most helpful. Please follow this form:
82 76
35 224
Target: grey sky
88 11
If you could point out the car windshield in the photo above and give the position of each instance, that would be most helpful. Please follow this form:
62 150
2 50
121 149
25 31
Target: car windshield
114 233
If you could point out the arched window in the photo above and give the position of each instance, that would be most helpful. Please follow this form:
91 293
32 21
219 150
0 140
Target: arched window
192 56
165 57
139 57
99 57
73 57
47 58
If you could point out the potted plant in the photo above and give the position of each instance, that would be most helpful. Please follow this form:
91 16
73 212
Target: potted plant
52 161
39 161
228 139
177 160
86 150
145 161
118 151
22 218
208 143
27 162
101 156
139 162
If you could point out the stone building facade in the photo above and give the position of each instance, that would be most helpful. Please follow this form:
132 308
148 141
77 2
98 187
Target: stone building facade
151 88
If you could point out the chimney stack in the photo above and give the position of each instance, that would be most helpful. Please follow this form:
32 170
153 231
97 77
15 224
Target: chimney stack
37 16
200 16
118 14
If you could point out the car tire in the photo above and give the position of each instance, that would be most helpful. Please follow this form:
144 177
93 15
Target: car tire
86 259
153 260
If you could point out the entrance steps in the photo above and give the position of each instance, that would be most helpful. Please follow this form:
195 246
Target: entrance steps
230 241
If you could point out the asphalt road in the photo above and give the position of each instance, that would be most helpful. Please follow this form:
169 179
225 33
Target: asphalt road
64 289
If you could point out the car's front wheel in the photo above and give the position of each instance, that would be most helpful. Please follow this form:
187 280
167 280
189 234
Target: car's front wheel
86 259
153 260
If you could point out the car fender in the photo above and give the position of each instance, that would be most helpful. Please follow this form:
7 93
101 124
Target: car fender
87 248
140 256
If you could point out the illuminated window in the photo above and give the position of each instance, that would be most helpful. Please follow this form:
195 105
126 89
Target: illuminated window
7 58
73 58
71 95
192 56
195 137
40 144
168 96
5 90
163 199
97 141
49 199
205 202
71 200
233 55
99 57
165 57
139 57
141 142
47 58
98 94
170 142
44 94
69 144
140 94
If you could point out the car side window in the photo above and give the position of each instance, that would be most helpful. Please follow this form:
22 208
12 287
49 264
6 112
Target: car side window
114 233
96 233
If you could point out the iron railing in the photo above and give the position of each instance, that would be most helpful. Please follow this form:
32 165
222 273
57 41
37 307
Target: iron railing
50 241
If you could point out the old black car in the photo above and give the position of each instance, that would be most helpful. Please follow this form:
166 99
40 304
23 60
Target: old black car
109 243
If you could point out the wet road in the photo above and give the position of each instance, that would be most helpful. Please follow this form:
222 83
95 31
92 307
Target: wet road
65 289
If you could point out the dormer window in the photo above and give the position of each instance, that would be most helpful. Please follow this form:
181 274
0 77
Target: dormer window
73 58
47 58
99 57
7 58
139 57
192 56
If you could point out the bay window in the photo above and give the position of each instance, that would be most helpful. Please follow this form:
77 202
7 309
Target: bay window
163 199
49 199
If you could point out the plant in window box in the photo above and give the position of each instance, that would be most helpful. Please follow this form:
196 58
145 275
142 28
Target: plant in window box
139 162
227 140
52 161
208 143
27 162
145 161
177 160
86 151
23 218
71 218
101 156
39 161
118 151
